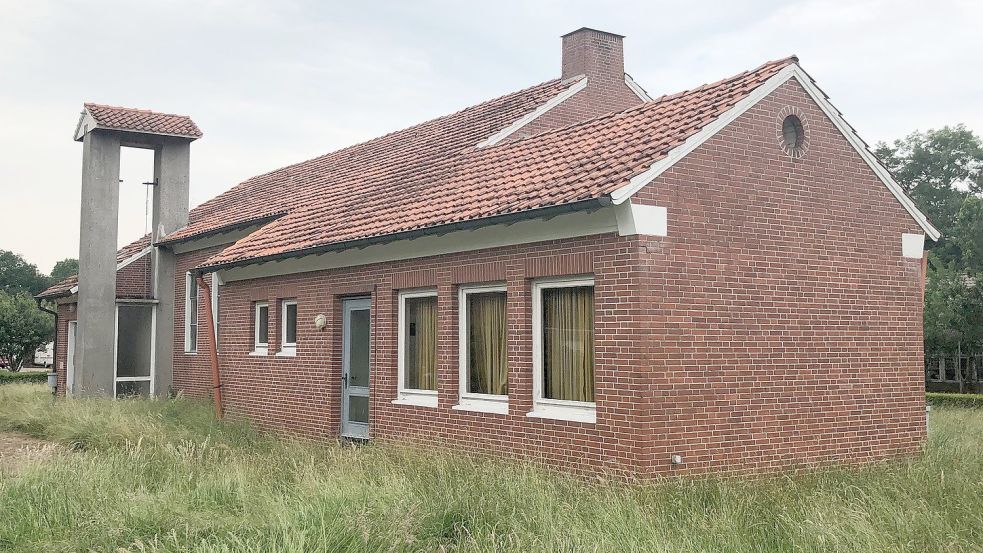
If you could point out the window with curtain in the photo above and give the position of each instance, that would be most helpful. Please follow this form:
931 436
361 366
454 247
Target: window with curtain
567 324
419 335
487 356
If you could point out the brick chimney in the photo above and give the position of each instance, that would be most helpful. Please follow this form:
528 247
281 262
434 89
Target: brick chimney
598 54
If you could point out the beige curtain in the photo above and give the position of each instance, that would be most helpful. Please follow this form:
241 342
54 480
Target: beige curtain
487 364
568 343
421 341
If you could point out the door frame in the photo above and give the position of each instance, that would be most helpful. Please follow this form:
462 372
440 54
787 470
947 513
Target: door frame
70 344
349 429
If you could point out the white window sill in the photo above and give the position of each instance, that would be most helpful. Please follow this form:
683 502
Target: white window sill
259 353
287 352
191 353
498 407
587 414
417 399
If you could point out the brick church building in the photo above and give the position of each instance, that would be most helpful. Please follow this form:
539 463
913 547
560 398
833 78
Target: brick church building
720 279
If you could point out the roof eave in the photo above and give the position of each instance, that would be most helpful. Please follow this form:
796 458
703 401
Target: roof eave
545 212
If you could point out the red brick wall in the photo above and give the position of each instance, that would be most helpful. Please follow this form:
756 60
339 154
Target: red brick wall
133 281
776 326
302 394
786 325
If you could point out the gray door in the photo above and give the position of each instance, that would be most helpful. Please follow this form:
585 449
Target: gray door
355 367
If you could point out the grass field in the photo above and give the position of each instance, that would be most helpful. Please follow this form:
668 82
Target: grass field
165 476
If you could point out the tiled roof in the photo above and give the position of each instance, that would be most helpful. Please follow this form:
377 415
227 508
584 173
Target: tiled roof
64 288
141 120
381 164
403 182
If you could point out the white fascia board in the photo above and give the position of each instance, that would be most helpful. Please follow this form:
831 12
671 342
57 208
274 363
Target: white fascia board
122 264
637 182
861 148
533 115
637 89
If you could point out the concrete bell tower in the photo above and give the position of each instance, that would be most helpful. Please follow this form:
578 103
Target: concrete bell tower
103 130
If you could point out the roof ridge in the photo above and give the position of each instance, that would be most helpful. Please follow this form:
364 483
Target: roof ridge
138 110
652 104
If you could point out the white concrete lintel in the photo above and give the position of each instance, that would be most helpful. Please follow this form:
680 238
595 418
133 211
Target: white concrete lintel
912 245
647 220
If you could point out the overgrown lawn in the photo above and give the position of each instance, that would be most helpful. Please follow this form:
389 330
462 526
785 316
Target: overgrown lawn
165 476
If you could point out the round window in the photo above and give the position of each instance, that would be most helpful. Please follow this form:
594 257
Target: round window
792 132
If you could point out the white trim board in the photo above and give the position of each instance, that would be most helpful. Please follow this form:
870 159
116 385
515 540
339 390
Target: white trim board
533 115
792 71
122 264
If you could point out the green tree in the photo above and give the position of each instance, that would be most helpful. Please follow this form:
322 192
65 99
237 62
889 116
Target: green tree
17 275
953 311
64 269
23 328
967 234
940 170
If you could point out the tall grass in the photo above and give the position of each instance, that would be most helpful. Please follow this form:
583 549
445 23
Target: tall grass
165 476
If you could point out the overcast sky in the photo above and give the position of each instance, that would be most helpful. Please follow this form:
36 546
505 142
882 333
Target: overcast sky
273 83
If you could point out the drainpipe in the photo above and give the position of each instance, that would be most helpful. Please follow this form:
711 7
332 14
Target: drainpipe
54 348
212 347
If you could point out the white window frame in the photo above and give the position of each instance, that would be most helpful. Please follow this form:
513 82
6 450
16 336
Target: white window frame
469 401
287 349
578 411
189 347
410 396
260 348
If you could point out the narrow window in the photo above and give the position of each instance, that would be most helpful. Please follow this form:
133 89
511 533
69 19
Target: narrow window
418 347
563 345
190 314
262 328
288 333
483 349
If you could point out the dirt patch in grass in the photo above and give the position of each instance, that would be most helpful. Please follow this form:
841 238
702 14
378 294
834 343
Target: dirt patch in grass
18 450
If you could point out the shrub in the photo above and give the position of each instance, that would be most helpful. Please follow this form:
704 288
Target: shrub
941 399
7 377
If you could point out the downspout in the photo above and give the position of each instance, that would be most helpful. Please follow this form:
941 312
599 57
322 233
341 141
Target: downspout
212 347
54 347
